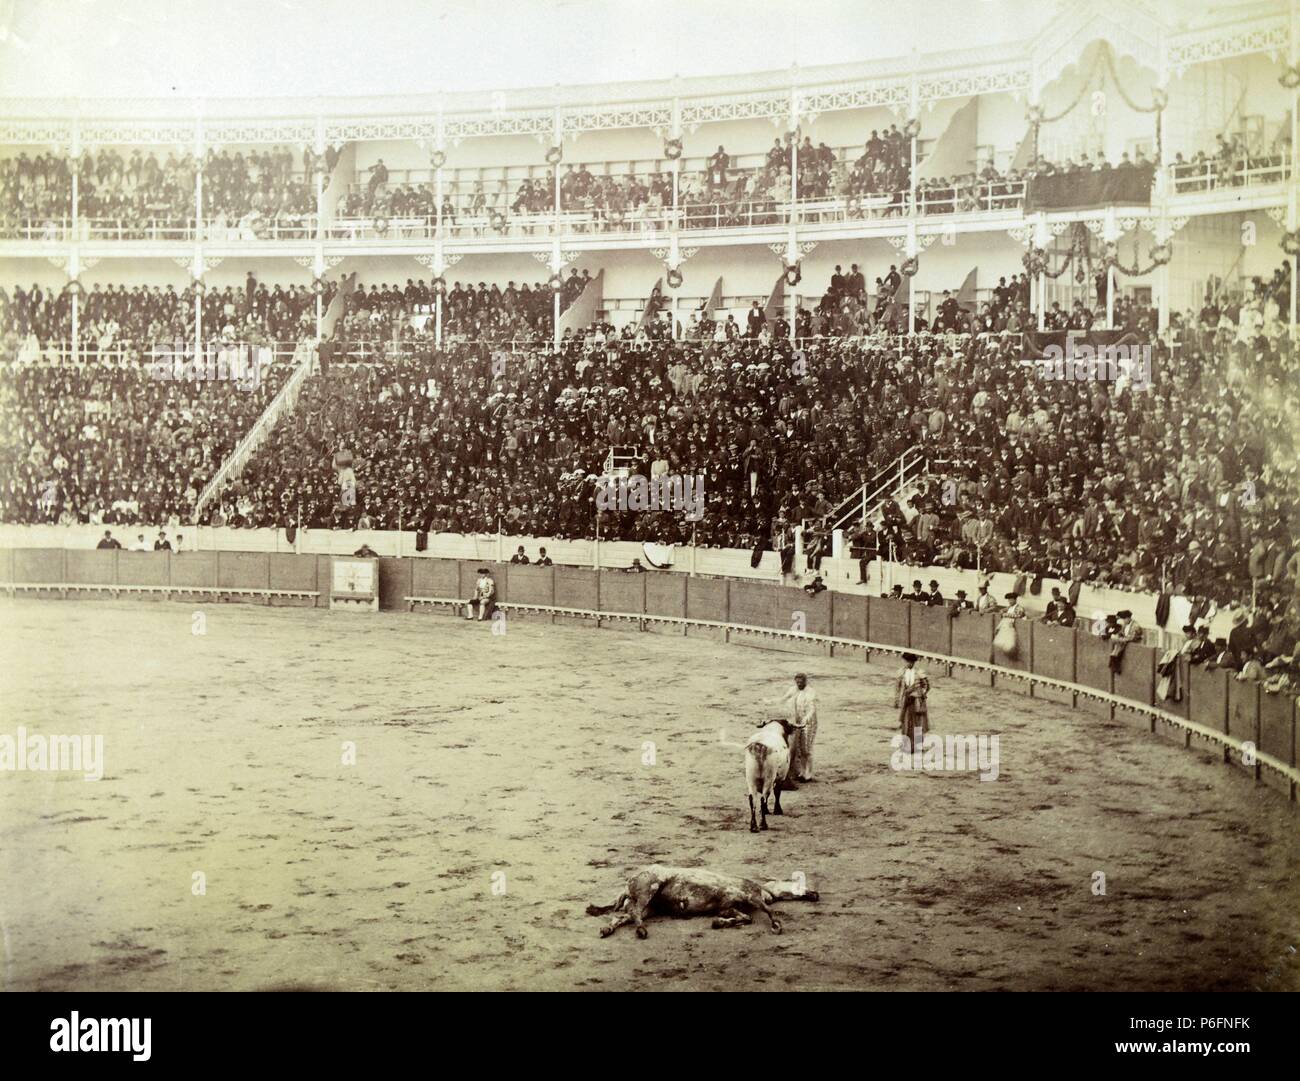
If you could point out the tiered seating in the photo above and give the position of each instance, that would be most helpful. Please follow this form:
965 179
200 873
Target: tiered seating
111 443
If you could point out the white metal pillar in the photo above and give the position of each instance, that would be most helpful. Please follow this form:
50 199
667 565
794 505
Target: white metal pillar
1110 296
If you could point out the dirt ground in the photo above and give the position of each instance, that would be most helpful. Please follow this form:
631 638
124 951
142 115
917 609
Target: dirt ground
502 782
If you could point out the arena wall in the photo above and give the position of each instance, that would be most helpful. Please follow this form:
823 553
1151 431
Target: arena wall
754 610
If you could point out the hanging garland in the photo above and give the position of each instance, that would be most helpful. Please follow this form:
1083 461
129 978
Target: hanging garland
1290 77
674 278
909 266
1291 242
793 275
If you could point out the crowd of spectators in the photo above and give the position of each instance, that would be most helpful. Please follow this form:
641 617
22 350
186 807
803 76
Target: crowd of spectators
1186 481
135 195
389 319
121 319
1230 163
116 443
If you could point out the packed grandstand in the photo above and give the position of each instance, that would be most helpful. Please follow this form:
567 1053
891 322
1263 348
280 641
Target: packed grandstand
435 402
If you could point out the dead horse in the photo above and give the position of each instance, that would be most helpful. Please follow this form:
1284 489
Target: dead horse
695 891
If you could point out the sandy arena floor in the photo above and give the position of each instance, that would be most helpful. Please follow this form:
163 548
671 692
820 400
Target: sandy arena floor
499 787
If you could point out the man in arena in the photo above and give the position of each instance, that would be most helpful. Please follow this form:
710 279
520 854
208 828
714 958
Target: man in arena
801 701
911 689
480 605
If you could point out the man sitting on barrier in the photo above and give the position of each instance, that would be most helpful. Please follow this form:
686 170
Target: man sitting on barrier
480 605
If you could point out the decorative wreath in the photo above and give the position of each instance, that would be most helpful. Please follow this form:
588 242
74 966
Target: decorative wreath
381 226
672 149
318 286
1109 253
792 274
1034 114
554 155
855 206
439 159
498 221
440 286
1161 253
1290 77
73 288
909 266
674 278
912 128
1035 261
1291 242
557 283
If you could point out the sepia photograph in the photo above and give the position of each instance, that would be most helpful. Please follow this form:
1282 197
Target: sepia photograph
563 495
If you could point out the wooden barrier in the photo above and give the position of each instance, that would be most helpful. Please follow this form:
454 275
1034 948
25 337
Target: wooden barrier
435 578
1092 668
1243 718
665 595
1020 661
620 592
972 639
1063 664
706 599
1053 653
930 629
1136 678
890 621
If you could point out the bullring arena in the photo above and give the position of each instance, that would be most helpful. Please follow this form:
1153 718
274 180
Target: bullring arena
801 496
503 781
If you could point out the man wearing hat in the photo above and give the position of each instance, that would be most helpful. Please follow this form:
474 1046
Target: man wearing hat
910 691
934 597
1015 610
801 700
918 594
485 589
961 604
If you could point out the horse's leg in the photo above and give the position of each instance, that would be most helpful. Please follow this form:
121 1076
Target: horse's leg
755 898
753 823
777 809
762 806
789 891
620 919
731 917
641 896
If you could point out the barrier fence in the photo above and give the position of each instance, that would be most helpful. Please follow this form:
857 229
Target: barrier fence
1255 729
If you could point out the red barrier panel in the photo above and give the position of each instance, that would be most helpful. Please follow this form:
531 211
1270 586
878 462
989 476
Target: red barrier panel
98 566
38 565
620 592
1136 678
531 585
436 578
889 621
931 629
1053 657
394 582
1243 716
751 604
1208 690
150 568
198 569
237 570
1092 668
